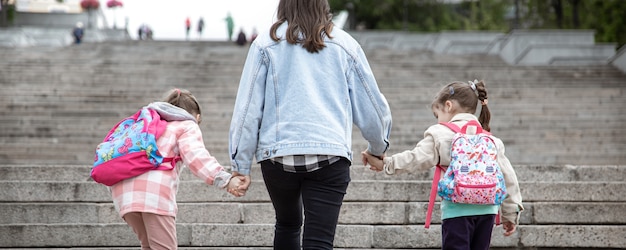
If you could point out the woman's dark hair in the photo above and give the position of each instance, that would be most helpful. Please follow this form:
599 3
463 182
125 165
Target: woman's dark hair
308 22
468 98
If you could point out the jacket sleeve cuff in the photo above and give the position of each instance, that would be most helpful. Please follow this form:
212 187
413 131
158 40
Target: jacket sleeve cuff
388 166
242 171
222 179
511 212
511 217
378 153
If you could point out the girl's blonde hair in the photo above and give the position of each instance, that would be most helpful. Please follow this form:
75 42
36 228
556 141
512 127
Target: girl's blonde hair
182 98
309 21
467 95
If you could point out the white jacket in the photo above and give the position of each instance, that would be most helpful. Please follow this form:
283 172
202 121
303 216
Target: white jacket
435 148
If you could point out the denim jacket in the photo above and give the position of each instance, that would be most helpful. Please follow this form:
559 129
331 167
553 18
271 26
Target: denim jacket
292 102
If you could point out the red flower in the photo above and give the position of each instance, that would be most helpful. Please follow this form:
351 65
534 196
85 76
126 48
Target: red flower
114 3
90 4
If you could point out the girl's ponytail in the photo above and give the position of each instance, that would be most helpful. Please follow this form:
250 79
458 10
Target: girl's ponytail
485 115
468 95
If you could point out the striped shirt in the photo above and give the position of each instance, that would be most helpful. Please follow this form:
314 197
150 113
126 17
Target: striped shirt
305 163
155 191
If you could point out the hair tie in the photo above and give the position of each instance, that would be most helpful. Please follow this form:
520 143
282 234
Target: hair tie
178 92
484 102
473 86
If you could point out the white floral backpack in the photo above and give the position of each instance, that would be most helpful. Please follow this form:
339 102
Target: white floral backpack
473 176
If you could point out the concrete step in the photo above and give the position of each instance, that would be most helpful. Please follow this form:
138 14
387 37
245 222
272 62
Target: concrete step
402 109
528 173
518 151
216 98
180 54
86 157
77 124
384 222
426 79
191 248
555 136
382 68
523 98
352 213
359 190
83 126
347 236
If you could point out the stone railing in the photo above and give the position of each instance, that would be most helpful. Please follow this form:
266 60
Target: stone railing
619 61
519 47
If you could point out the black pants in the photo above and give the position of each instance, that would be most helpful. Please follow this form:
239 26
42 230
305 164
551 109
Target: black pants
320 193
468 232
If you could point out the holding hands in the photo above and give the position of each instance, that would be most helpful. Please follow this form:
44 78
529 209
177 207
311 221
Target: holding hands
238 185
376 163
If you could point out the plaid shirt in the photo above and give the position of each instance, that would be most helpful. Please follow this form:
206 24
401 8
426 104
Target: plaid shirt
305 163
155 191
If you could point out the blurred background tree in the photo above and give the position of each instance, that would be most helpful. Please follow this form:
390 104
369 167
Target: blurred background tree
606 17
7 12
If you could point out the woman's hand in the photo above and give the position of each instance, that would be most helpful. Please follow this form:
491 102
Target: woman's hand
245 183
376 163
234 186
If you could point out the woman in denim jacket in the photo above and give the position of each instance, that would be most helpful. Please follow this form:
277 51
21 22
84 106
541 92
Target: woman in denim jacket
304 84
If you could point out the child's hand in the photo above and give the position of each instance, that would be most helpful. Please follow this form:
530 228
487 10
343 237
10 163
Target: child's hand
234 185
509 228
376 164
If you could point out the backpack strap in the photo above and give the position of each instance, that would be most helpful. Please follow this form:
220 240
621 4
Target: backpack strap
157 127
437 175
472 123
172 160
452 126
463 130
498 219
433 194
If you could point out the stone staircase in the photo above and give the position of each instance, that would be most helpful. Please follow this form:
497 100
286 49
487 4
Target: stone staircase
56 206
562 125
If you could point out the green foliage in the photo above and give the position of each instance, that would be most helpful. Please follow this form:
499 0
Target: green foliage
606 17
11 13
427 15
7 13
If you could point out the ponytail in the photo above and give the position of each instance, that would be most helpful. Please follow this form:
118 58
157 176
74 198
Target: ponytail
468 96
485 115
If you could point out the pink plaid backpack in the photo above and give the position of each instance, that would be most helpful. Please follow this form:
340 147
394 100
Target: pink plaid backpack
130 149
